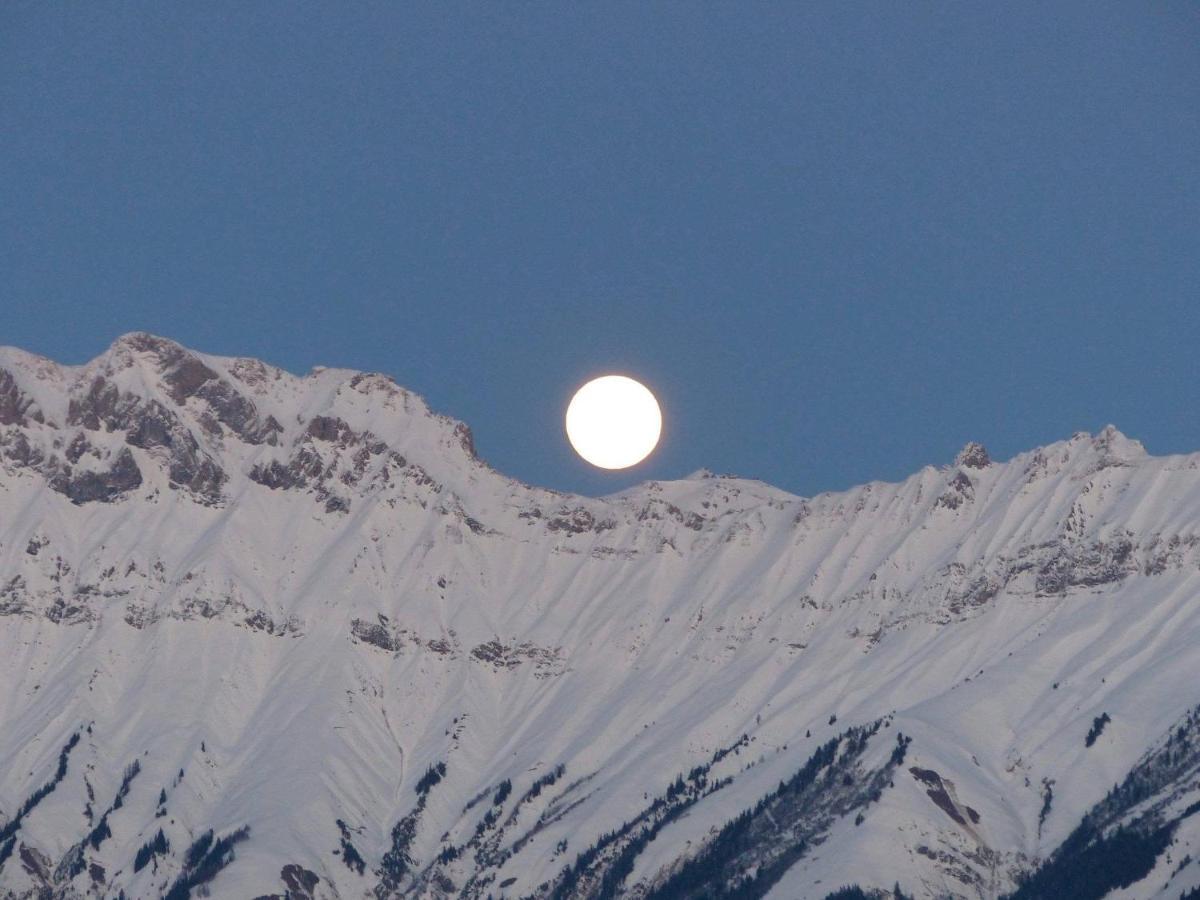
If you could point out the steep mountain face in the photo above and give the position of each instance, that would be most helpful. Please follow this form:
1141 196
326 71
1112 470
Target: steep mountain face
274 636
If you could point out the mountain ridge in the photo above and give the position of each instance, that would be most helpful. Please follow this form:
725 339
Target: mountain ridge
357 600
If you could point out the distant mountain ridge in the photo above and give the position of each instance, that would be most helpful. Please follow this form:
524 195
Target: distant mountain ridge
268 635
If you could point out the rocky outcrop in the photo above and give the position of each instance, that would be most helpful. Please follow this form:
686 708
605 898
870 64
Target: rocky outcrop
959 491
101 407
15 407
498 655
1072 565
973 456
88 486
578 520
377 634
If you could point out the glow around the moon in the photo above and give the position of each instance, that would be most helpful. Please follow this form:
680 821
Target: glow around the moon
613 422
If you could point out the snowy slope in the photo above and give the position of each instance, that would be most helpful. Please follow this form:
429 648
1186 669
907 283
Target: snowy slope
303 607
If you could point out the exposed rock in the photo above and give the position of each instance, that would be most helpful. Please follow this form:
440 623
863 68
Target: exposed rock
465 438
299 881
36 864
1115 449
15 407
139 617
577 521
967 591
306 465
938 794
155 426
193 469
101 406
973 456
274 475
186 378
15 447
376 634
253 372
13 594
238 413
659 510
1055 568
88 486
332 429
547 661
370 382
80 446
64 612
1090 565
960 490
189 466
260 621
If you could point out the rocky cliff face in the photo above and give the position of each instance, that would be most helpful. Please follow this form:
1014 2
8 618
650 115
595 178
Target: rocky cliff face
269 635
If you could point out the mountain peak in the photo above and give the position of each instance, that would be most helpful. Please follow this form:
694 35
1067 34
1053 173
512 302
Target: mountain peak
973 456
1111 442
144 342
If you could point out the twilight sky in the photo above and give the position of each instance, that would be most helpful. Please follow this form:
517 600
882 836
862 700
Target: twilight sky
837 240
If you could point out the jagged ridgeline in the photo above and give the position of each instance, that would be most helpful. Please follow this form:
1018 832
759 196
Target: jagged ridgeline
266 635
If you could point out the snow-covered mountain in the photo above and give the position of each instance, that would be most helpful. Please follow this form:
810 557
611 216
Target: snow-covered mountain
270 635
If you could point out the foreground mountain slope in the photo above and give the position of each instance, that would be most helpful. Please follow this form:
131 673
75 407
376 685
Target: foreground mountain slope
300 613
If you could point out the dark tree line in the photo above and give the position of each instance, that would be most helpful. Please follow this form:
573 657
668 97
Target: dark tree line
432 776
156 846
1097 729
204 860
854 892
1089 865
9 829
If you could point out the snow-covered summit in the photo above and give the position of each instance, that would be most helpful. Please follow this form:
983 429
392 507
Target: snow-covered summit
236 598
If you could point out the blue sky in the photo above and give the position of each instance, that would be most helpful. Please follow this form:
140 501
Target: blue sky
838 240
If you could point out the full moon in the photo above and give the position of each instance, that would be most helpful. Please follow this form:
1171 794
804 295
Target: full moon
613 422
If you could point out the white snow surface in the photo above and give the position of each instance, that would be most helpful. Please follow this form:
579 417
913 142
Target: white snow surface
302 654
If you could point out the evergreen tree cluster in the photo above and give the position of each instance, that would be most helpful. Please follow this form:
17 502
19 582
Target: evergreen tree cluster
131 772
1047 802
717 871
628 841
1097 729
1103 853
502 792
1088 866
102 832
156 846
9 829
435 773
204 860
352 858
350 855
489 819
397 862
854 892
544 782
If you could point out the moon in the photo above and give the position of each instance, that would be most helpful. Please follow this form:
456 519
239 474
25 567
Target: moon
614 422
